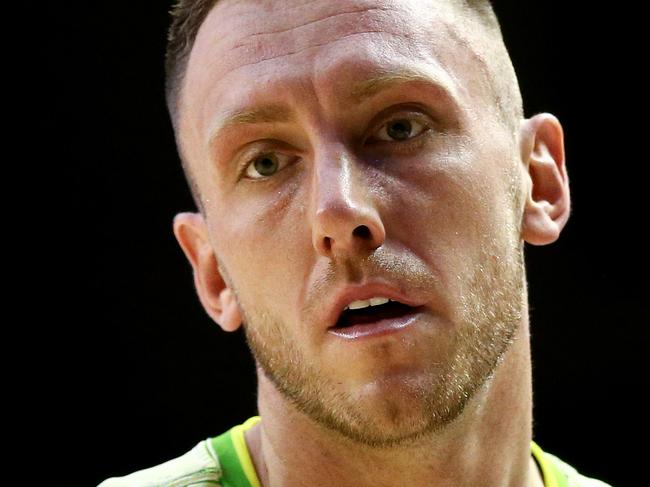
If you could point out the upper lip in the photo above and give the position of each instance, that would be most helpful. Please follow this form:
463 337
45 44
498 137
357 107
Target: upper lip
345 295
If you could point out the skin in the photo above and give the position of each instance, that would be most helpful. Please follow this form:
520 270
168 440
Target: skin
441 216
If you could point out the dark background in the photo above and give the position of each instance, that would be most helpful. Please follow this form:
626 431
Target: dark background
141 374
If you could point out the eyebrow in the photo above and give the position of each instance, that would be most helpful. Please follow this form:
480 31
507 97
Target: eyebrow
383 81
263 114
361 91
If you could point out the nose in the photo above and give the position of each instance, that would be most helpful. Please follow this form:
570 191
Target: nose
345 218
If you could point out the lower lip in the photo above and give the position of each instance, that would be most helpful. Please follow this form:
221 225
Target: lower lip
377 329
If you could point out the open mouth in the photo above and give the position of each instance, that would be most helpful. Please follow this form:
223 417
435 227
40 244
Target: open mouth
373 314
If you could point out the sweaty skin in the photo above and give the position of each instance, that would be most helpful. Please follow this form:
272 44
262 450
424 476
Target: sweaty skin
288 117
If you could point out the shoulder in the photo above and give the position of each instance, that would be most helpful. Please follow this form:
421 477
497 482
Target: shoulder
198 467
573 477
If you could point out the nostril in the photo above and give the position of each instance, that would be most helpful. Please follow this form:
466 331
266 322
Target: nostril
362 231
327 243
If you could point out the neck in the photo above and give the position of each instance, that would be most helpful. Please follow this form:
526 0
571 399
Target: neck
488 445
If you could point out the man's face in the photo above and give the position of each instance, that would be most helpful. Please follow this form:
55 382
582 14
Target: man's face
344 144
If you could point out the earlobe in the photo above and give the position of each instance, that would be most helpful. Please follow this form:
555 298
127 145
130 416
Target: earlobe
231 316
215 295
548 202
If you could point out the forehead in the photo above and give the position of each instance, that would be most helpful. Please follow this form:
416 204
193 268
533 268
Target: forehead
251 52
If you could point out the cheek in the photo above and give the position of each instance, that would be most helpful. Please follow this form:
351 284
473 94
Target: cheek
446 209
444 199
268 249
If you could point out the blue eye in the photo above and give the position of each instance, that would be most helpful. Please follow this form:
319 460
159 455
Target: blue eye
400 129
266 165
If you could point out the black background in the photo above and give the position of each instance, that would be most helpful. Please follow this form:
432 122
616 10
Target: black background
141 374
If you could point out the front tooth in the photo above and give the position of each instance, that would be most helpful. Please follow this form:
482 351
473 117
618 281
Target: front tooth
378 301
359 304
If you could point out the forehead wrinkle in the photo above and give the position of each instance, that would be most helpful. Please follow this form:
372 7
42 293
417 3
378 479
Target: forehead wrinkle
318 26
309 23
402 37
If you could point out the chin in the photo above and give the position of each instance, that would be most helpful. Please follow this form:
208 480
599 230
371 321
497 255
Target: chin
391 412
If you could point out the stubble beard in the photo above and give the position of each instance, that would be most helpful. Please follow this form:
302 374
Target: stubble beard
491 305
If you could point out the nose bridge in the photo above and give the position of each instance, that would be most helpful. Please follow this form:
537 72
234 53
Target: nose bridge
332 181
345 218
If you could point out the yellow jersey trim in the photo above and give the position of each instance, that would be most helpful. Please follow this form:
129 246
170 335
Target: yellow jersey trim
249 469
547 470
242 450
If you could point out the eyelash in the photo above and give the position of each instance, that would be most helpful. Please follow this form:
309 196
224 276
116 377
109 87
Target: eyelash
416 117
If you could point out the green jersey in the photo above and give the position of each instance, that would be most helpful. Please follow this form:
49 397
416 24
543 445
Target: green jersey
224 461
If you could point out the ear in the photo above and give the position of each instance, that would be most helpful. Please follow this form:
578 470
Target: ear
217 298
548 202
